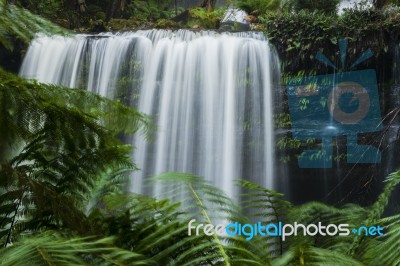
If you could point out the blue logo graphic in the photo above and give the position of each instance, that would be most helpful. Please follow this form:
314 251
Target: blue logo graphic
327 106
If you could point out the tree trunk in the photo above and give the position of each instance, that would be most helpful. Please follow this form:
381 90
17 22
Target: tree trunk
82 6
113 9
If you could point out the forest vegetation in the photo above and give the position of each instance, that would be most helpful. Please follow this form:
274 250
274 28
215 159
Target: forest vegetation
63 167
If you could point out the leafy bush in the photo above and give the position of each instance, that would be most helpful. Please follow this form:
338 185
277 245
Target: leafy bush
48 8
151 10
203 18
258 6
325 6
298 36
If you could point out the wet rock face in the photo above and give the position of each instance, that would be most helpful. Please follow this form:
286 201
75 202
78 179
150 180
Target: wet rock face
11 60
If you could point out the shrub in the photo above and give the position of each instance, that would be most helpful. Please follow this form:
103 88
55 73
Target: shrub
258 6
206 19
325 6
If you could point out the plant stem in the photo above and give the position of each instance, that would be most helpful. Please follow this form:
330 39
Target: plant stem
208 220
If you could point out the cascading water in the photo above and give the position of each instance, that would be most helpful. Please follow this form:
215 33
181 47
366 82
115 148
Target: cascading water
209 94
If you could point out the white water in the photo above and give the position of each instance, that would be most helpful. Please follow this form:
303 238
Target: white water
210 95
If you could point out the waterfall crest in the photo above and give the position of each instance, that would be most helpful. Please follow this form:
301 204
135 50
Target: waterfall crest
209 93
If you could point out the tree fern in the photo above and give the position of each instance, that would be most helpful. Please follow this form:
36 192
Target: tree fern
266 206
51 248
20 23
158 229
317 212
210 205
306 255
376 211
385 249
86 106
147 226
57 144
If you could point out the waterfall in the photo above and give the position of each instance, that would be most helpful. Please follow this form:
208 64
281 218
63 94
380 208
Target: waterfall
209 94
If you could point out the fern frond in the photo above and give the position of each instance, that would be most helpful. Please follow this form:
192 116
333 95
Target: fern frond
20 23
157 229
266 206
51 248
56 144
376 210
385 250
312 256
210 205
316 212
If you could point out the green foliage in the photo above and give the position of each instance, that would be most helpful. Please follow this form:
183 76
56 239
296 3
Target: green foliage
309 255
266 206
210 205
375 215
299 36
151 10
167 24
62 172
204 18
20 23
159 228
96 12
351 214
154 228
46 8
387 250
123 24
343 250
288 143
258 6
325 6
282 120
57 144
51 248
145 14
394 2
156 232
